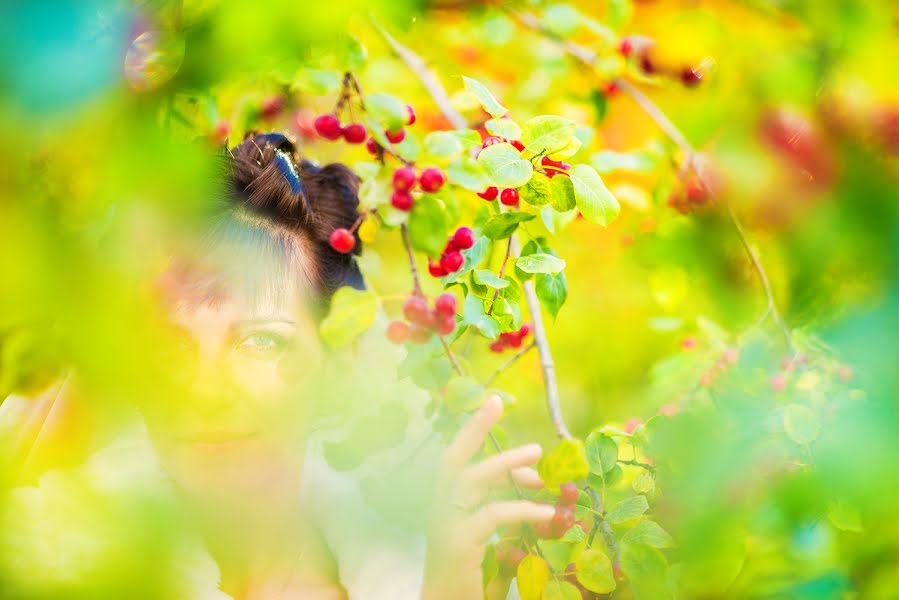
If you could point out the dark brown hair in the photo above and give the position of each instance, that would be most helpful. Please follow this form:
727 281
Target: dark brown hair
272 226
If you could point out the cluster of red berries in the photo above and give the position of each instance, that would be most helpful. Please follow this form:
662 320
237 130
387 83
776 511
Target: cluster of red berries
330 128
510 339
640 48
508 559
691 196
565 518
508 196
554 167
451 260
394 137
404 178
422 321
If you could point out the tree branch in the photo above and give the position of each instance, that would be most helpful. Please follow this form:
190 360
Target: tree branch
502 270
417 284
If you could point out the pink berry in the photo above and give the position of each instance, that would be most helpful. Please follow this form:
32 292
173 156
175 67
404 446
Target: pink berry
398 332
435 269
395 137
401 200
415 309
354 133
445 305
446 326
452 261
779 382
626 47
731 356
328 126
490 193
568 494
691 77
411 112
688 343
669 410
431 179
497 346
463 239
372 146
632 424
490 141
403 179
509 196
271 107
342 240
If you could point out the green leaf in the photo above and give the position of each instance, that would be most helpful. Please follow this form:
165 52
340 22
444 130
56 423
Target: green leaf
503 225
504 128
387 109
468 137
440 144
504 166
627 510
463 394
594 571
546 134
647 570
540 263
552 291
644 483
487 277
474 314
468 173
649 533
594 200
537 191
562 19
317 81
490 104
602 452
571 148
560 590
800 424
352 312
428 225
844 516
352 54
566 462
531 577
563 198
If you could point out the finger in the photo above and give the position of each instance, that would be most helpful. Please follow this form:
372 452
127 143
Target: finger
483 523
527 477
497 467
471 437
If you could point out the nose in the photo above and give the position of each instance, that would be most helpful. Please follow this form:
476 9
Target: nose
212 391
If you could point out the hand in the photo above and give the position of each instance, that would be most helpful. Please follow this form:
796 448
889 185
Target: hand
462 523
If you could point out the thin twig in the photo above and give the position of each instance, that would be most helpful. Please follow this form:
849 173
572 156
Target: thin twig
637 463
427 77
508 364
452 357
502 270
416 283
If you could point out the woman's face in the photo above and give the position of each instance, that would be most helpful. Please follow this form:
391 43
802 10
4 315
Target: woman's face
245 374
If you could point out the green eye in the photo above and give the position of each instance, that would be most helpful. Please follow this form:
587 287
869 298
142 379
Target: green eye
262 344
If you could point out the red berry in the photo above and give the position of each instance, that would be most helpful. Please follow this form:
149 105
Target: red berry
463 239
688 343
372 146
563 520
445 305
490 193
515 556
401 200
219 135
518 145
611 89
691 77
545 531
490 141
695 191
415 309
497 346
431 179
514 339
568 494
342 240
779 383
509 196
395 137
403 179
446 326
271 107
354 133
411 112
419 335
435 269
452 261
525 330
632 424
626 47
398 332
328 126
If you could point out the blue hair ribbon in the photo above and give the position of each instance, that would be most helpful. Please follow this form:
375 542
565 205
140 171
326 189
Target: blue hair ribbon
287 170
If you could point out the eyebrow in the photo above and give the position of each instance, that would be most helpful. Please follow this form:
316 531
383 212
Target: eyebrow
264 320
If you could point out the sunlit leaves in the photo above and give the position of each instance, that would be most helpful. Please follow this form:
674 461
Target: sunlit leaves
538 190
647 570
429 225
560 590
627 510
504 166
602 452
532 576
503 225
489 278
540 263
566 462
442 145
504 128
546 134
594 200
352 312
563 198
594 571
649 533
468 173
484 96
473 313
388 110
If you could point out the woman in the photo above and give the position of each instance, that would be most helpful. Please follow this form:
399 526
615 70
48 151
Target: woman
232 435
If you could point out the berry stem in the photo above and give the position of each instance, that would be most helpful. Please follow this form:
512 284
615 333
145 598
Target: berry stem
502 270
499 371
637 463
415 281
